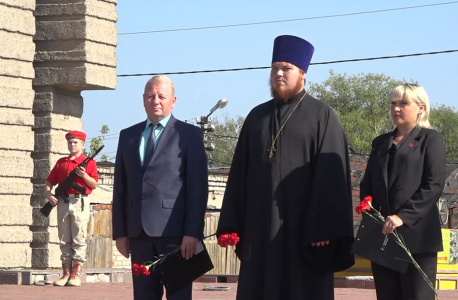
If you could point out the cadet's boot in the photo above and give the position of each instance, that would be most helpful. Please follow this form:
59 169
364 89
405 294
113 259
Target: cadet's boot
75 279
65 275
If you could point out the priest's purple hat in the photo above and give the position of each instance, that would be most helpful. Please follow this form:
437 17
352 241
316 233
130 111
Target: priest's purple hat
294 50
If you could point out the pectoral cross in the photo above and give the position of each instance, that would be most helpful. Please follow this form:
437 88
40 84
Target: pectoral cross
271 151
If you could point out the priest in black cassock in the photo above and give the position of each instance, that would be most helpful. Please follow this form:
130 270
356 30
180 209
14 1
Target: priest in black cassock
288 195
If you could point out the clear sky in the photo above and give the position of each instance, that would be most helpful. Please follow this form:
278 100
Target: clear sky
390 33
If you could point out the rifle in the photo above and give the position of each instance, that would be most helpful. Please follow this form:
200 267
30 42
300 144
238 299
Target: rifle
68 182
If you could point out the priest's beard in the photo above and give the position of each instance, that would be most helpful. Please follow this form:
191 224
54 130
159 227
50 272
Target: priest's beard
283 93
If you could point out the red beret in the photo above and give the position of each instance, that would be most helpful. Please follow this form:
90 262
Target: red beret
75 135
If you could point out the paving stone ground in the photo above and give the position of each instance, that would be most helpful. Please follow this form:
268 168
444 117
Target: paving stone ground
123 291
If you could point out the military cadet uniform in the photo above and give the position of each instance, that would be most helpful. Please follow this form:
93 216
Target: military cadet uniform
72 215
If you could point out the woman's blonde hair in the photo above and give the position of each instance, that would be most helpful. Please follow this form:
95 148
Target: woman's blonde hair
417 94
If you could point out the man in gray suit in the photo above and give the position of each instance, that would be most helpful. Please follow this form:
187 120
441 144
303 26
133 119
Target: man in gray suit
160 188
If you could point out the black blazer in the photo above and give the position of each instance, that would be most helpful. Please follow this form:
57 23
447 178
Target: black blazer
168 198
416 183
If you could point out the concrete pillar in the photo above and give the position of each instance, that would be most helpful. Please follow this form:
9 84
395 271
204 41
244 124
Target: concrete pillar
17 27
75 50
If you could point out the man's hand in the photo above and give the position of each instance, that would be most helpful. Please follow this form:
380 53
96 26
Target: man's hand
188 246
319 244
51 199
123 246
391 223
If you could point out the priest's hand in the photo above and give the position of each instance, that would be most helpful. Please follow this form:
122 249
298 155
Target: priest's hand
188 246
122 244
391 223
319 244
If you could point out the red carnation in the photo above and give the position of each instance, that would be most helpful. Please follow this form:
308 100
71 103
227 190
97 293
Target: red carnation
228 239
136 269
234 239
364 205
145 271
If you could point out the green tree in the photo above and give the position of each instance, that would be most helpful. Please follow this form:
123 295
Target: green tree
97 142
445 119
225 138
360 103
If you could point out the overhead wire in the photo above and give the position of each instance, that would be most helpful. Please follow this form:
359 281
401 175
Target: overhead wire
290 20
268 67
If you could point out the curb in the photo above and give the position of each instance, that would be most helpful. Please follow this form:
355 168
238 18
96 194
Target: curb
93 275
44 277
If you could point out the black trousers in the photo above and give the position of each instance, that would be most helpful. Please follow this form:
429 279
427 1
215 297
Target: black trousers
392 285
144 249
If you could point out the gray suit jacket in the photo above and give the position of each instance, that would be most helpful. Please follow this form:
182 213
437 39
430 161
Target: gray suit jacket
168 197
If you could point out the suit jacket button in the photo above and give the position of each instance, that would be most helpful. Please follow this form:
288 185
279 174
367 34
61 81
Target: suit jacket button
399 187
145 178
144 196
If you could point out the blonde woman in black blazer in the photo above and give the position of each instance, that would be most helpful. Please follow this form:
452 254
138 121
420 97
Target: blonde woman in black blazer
405 176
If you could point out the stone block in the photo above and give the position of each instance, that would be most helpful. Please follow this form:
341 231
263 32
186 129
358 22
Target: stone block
16 137
61 30
100 77
60 9
77 77
53 141
16 255
43 258
13 214
101 54
102 31
91 52
38 195
15 234
16 46
14 82
78 28
16 116
17 20
16 68
42 168
15 163
39 220
15 186
16 97
46 235
22 4
40 257
43 102
68 105
100 9
57 121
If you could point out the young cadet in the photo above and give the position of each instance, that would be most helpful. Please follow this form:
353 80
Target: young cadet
73 208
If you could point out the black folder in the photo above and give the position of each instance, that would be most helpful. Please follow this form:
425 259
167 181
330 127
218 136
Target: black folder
372 244
176 272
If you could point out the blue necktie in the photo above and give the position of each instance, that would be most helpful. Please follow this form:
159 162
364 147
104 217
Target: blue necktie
150 144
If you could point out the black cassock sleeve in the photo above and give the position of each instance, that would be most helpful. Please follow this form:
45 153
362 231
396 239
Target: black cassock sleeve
330 214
